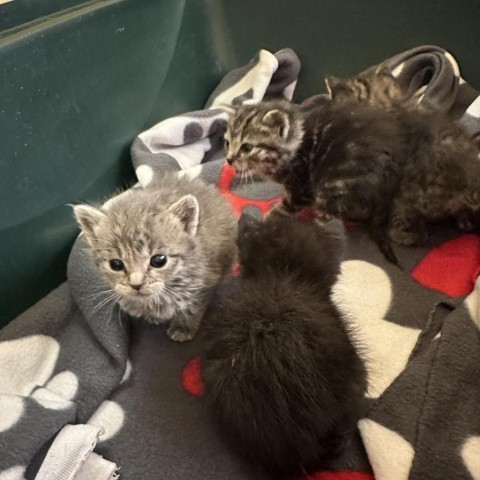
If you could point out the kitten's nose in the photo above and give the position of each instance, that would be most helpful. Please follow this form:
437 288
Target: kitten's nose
229 161
136 280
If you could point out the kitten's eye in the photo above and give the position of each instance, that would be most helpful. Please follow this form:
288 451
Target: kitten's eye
117 265
246 147
158 261
227 144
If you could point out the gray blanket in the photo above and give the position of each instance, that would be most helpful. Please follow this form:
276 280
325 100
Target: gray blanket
85 390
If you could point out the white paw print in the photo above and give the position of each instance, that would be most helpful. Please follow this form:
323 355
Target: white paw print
363 293
25 365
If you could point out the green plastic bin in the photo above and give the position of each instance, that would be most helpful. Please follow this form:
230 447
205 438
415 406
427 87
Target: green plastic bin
80 80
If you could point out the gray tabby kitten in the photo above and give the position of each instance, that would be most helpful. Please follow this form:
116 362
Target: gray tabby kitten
163 249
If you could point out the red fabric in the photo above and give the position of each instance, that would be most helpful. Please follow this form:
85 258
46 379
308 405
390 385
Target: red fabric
236 270
452 267
192 379
239 203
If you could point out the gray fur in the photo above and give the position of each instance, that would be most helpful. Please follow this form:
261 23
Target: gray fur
399 170
186 220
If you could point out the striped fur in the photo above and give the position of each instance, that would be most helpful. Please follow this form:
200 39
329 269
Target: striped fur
375 86
397 169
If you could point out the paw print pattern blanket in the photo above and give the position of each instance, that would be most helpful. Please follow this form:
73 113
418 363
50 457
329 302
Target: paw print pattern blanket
87 393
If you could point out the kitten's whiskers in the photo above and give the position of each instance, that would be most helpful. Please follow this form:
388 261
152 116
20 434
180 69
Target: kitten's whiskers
112 297
110 312
245 175
176 294
160 297
96 294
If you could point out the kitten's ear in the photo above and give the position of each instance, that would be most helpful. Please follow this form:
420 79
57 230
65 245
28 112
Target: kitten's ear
335 229
88 218
187 210
278 120
383 70
230 108
248 221
333 84
247 225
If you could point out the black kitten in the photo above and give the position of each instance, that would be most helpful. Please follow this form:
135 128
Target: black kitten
281 374
397 170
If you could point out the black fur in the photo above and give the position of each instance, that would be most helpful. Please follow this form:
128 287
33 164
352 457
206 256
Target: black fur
281 375
398 170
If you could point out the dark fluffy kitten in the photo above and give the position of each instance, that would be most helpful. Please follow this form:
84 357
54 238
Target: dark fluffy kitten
281 374
397 170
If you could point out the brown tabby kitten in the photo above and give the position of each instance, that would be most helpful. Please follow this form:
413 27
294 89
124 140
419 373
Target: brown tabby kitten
378 87
395 170
375 86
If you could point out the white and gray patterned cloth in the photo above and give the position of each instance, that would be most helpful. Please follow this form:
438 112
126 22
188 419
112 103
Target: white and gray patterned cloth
194 138
83 389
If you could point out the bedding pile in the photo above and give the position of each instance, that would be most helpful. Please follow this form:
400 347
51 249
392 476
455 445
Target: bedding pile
87 393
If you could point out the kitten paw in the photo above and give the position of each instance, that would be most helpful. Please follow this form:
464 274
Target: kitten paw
467 223
179 334
323 217
408 238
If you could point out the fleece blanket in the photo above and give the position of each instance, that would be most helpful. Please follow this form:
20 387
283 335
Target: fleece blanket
87 393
